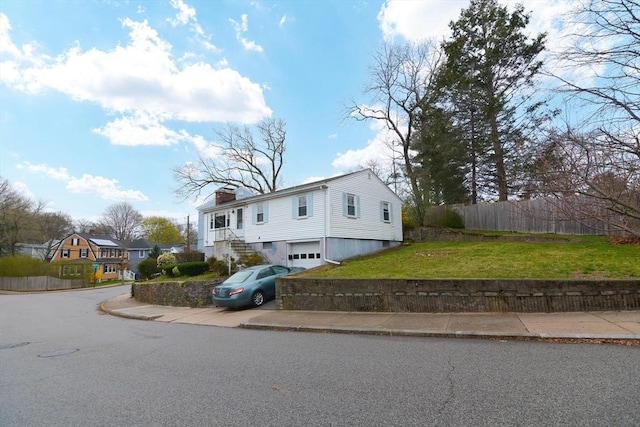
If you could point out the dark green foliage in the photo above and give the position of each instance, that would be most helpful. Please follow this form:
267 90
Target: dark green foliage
24 266
186 269
220 267
443 157
148 267
190 256
167 270
155 252
451 219
488 82
193 268
250 260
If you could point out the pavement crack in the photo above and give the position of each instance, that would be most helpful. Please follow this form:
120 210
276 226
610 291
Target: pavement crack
450 390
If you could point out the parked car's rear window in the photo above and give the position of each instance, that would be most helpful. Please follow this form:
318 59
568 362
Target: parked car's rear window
280 269
238 277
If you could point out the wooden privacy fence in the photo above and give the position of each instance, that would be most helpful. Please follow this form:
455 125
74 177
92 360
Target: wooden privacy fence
526 216
39 283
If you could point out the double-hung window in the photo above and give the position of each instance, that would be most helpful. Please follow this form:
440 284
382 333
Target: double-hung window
302 206
260 213
65 253
350 205
385 211
84 253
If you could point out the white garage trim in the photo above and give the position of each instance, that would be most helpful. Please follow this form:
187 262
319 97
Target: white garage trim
304 254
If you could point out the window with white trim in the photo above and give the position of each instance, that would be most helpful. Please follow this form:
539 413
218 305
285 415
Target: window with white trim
302 206
220 221
110 268
350 205
65 253
84 253
260 213
385 211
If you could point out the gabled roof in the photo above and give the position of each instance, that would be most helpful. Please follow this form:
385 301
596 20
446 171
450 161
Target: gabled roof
148 244
290 190
98 240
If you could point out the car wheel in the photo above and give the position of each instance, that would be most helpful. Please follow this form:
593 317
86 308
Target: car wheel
257 299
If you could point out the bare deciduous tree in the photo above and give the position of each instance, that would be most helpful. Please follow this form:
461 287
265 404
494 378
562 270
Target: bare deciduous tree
605 179
17 218
243 161
602 162
53 226
123 220
401 79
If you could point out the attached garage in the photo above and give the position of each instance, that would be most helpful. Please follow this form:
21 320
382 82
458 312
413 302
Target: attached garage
305 254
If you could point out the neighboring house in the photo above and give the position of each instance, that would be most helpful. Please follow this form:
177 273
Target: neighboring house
304 226
140 249
107 255
34 250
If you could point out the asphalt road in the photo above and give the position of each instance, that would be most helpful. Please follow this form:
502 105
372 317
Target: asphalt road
64 363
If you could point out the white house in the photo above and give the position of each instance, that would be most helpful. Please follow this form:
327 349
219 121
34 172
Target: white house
304 226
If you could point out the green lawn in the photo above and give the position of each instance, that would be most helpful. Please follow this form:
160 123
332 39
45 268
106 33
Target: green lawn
573 257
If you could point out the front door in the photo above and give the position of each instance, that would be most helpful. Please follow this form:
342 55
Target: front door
240 222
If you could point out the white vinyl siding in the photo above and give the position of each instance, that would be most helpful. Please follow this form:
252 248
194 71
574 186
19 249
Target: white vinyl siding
283 222
328 205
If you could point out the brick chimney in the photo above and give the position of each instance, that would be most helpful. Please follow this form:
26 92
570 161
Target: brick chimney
224 195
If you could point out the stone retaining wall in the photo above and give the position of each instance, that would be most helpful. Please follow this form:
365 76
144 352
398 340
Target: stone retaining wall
456 295
177 294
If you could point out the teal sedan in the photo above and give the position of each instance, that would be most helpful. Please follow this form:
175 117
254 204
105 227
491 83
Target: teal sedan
251 286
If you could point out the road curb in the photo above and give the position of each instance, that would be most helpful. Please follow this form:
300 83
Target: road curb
578 338
124 315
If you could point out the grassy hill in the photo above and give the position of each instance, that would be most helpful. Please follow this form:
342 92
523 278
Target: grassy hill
562 257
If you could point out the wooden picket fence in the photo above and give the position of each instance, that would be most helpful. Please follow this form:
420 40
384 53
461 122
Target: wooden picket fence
527 216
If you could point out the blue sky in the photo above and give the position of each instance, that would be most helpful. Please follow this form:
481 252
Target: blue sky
100 99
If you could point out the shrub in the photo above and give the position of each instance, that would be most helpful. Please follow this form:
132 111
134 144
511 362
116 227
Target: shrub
190 256
24 266
193 268
221 268
451 219
148 268
175 271
250 260
166 259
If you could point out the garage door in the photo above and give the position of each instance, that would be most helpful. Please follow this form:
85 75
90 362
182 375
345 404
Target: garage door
305 254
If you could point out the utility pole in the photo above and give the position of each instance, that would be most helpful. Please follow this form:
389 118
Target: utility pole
188 236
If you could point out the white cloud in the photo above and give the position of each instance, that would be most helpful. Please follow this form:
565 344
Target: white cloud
105 188
283 20
376 151
419 20
185 14
139 79
140 129
23 189
241 28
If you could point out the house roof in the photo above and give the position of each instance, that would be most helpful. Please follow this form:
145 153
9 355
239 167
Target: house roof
148 244
98 240
290 190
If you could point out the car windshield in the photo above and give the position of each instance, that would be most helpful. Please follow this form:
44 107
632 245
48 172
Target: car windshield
238 277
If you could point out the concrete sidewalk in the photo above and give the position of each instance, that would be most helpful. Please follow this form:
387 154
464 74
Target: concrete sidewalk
610 325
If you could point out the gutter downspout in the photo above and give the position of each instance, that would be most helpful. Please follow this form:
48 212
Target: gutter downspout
326 220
